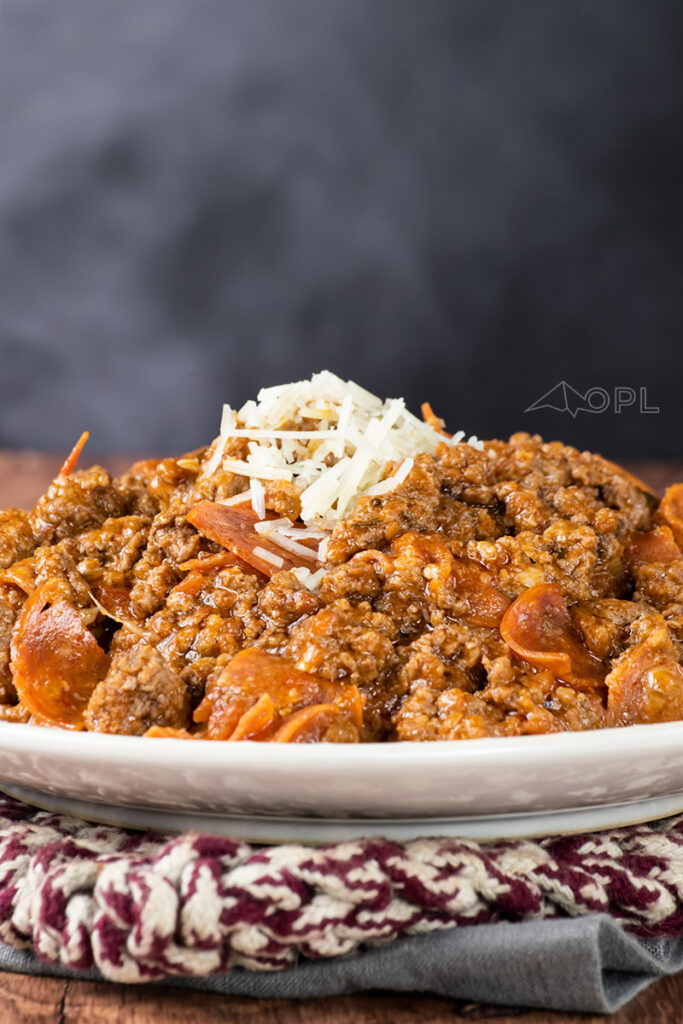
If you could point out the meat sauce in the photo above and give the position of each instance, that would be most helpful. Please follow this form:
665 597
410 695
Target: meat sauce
521 587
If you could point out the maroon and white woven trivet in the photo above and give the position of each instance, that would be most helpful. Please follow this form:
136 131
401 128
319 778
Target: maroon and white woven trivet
143 906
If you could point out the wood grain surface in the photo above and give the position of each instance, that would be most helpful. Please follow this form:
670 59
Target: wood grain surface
31 1000
28 1000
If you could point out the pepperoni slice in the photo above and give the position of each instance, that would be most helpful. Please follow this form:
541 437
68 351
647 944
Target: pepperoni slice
671 511
167 732
473 585
114 602
309 725
538 629
624 473
257 692
258 722
645 685
485 604
234 529
658 545
56 662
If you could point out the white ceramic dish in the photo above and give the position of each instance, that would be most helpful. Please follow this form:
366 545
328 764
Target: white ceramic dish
491 787
261 829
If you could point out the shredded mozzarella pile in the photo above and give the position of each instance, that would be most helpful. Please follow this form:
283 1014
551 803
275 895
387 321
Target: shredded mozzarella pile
329 437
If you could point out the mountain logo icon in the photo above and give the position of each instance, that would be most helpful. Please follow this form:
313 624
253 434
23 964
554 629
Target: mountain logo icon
563 397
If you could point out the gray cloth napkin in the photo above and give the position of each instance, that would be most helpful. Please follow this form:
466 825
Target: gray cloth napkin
580 964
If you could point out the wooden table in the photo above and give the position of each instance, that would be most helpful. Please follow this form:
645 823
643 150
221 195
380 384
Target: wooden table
51 1001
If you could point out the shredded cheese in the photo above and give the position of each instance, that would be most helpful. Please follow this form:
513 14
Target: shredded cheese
291 545
258 497
237 499
287 535
309 580
269 556
392 481
330 438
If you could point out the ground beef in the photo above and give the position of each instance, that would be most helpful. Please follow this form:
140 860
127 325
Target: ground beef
585 563
450 656
76 503
171 541
134 485
419 584
512 703
581 483
461 682
658 583
51 563
673 616
356 645
282 602
208 616
174 480
11 600
108 555
16 536
139 691
530 514
606 624
428 501
645 683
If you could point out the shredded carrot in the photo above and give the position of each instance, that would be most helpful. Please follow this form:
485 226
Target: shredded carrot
430 417
72 458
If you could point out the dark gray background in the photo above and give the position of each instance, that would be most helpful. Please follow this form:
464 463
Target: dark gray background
458 200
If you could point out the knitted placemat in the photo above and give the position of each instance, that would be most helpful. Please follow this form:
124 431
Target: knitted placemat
143 906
